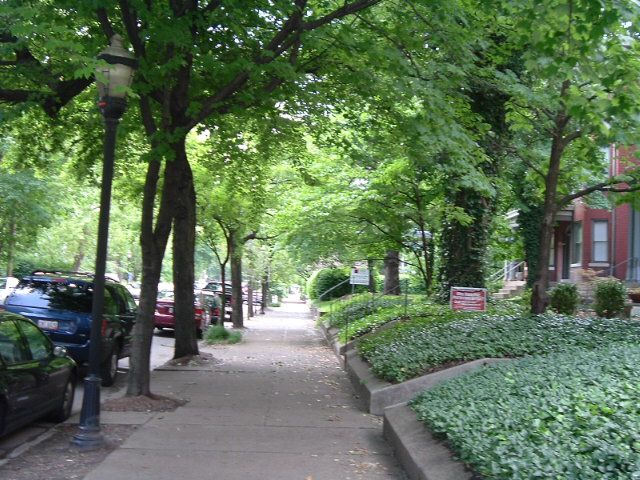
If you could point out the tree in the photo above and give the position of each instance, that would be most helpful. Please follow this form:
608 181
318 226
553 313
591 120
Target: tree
183 83
578 92
24 211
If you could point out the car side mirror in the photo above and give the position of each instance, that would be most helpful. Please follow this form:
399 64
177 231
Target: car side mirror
59 351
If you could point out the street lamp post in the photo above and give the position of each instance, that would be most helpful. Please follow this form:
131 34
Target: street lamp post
112 81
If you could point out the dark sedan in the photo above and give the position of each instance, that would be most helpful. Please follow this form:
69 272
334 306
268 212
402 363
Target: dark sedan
37 379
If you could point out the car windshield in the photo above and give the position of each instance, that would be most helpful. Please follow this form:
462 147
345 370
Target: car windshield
64 295
3 282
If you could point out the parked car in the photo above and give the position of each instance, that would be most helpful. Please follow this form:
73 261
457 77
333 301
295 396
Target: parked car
164 314
60 303
37 379
257 298
7 284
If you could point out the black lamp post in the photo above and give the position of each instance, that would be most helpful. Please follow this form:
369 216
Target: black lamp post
112 81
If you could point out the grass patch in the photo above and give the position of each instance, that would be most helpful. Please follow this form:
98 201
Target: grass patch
571 415
217 334
414 347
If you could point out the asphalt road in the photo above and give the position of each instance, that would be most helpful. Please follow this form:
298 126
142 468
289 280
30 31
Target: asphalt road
161 351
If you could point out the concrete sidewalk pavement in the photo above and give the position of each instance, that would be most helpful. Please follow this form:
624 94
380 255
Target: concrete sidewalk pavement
278 407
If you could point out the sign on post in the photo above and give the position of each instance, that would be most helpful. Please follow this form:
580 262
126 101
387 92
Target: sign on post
468 299
359 276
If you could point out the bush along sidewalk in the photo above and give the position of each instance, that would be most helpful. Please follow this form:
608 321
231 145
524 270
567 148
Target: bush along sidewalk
217 334
571 415
412 348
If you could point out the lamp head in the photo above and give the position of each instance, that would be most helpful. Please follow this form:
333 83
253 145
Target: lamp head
114 78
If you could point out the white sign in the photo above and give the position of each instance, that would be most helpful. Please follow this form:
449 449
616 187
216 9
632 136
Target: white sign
359 276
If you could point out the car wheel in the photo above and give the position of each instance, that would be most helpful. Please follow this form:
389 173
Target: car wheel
109 368
66 404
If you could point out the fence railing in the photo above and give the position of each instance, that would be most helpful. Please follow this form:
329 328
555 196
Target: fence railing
505 271
373 302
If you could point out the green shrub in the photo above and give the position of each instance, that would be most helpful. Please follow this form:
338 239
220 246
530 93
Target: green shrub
219 334
411 348
609 297
312 285
564 298
330 277
571 416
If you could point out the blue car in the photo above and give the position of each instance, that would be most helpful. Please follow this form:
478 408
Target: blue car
36 378
60 304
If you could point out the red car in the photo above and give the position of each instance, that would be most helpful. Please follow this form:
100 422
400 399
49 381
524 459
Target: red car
164 318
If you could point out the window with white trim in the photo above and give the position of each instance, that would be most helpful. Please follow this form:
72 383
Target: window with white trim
576 235
600 250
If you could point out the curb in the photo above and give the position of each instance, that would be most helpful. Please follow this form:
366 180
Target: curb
421 455
331 336
375 395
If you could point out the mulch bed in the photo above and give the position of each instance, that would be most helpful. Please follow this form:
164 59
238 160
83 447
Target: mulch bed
142 403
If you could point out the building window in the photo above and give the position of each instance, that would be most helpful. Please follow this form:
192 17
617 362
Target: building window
576 253
552 253
600 241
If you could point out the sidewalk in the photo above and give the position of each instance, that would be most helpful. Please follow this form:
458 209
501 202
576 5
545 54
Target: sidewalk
279 407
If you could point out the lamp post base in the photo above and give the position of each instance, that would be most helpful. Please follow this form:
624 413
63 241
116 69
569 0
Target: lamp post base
88 436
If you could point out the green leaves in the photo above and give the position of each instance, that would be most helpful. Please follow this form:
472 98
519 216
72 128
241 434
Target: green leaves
412 348
565 415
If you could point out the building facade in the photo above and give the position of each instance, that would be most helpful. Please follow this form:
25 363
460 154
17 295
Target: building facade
590 241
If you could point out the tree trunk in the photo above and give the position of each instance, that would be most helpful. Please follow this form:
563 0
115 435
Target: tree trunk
223 300
372 278
392 273
11 254
153 242
184 231
539 297
464 247
250 311
82 244
265 292
237 318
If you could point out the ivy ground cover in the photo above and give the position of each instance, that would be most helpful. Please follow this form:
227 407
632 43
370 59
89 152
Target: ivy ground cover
365 313
572 415
412 348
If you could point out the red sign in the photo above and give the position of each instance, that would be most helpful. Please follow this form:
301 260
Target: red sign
469 299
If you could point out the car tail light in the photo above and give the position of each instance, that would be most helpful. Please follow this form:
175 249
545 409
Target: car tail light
198 313
103 327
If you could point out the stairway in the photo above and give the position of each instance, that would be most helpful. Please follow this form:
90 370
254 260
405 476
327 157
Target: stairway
511 288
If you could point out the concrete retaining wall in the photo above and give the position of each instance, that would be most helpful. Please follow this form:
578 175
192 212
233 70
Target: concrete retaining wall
375 394
422 456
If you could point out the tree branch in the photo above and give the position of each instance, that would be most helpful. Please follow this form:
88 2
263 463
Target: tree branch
105 23
280 43
607 186
343 11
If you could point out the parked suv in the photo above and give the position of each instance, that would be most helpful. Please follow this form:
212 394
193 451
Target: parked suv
60 304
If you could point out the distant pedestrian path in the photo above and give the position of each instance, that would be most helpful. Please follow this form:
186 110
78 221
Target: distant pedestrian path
279 407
